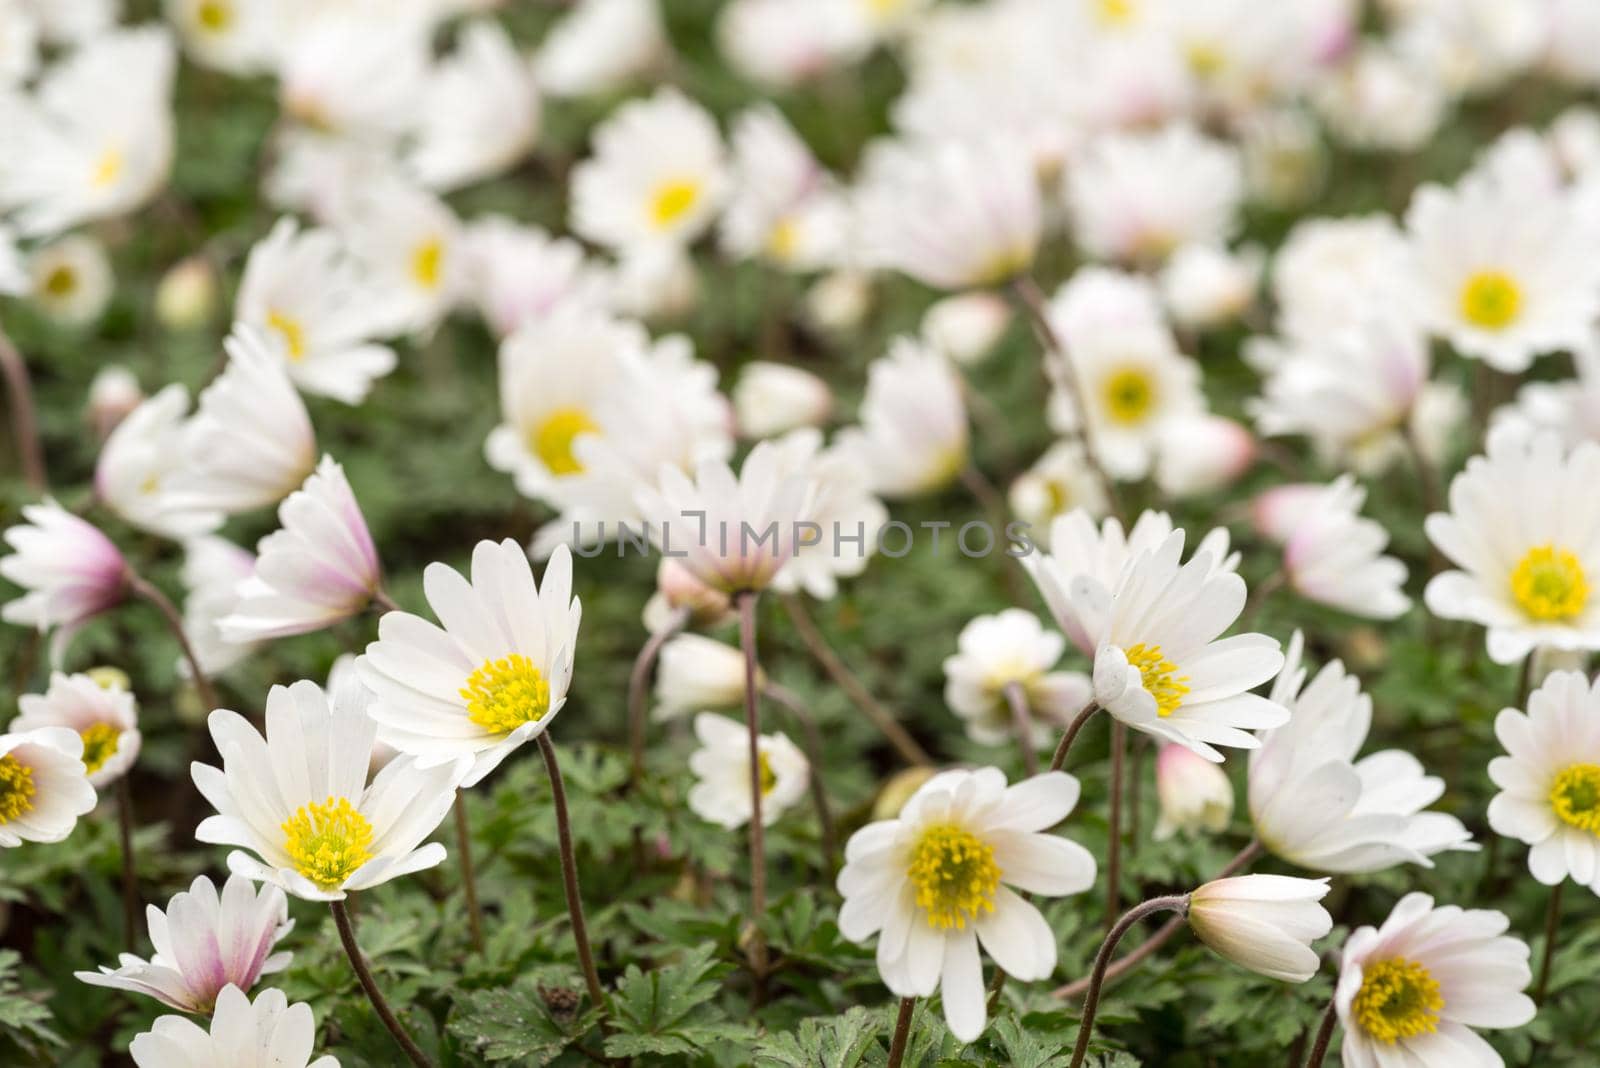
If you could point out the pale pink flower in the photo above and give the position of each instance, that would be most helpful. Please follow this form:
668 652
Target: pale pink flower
70 570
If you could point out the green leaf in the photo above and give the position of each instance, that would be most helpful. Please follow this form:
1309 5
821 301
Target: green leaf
517 1022
23 1019
1023 1049
824 1042
652 1009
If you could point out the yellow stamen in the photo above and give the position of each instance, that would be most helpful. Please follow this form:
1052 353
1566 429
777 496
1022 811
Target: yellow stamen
16 789
551 440
427 259
294 335
1398 999
783 240
504 694
106 169
1205 59
769 778
214 16
1491 299
327 841
1156 673
1549 584
673 200
1575 797
62 281
99 745
955 875
1115 12
1129 395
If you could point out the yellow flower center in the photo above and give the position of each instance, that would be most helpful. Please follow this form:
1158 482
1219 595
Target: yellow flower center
1491 299
673 200
1398 999
1205 59
99 745
504 694
16 788
1129 395
551 440
294 335
783 240
1156 673
214 16
955 875
426 261
327 841
1550 584
62 281
1575 797
106 169
769 778
1115 12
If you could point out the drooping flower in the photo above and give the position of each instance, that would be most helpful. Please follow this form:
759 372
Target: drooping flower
1316 805
204 942
266 1033
135 473
493 676
944 877
1549 780
44 786
71 572
105 717
994 652
695 672
1265 923
721 766
1412 991
1194 793
299 800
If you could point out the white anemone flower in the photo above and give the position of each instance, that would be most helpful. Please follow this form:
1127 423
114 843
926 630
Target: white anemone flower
70 572
1161 665
70 279
136 471
1265 923
1411 992
1316 805
204 942
266 1033
302 289
1525 535
774 398
355 73
599 46
721 767
1059 482
480 111
44 786
237 36
696 672
299 800
520 275
413 249
657 174
1549 780
105 717
492 677
1334 556
995 652
943 878
841 533
913 437
783 206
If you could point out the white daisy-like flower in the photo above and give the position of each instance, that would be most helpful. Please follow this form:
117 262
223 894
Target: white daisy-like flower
44 786
775 398
266 1033
1501 275
356 73
841 532
599 46
1569 408
1079 549
70 279
783 207
695 672
1265 923
250 443
104 715
944 877
1549 780
204 942
213 570
1194 794
952 214
413 249
298 798
134 475
1330 273
69 570
776 43
734 532
1380 100
318 568
1206 286
1334 556
1160 663
1316 805
721 767
519 275
1137 197
302 289
1411 992
236 36
913 438
94 138
1059 482
657 175
994 652
480 111
19 48
1202 453
1527 544
493 676
655 280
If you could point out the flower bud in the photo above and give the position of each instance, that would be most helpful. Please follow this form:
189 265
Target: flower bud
966 327
696 673
773 398
677 587
1206 286
899 789
1203 454
110 678
839 301
1265 923
112 395
1195 794
186 295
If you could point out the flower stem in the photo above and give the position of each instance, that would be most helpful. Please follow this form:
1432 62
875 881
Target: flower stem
819 795
902 1032
637 680
347 936
1123 965
758 832
469 878
130 872
882 718
385 603
1552 927
569 873
1070 734
1119 746
1178 903
150 592
24 424
1022 722
1319 1047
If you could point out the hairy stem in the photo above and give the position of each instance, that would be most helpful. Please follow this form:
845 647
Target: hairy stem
569 873
902 1032
1178 903
1552 927
1071 734
746 602
791 702
1319 1047
347 936
141 587
1119 747
24 423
